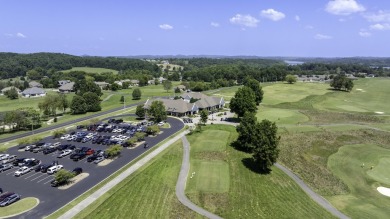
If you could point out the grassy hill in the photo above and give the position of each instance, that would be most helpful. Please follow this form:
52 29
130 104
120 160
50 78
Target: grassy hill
92 70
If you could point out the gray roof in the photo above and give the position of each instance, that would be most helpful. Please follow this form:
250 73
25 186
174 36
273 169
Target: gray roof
67 87
34 84
204 100
9 88
179 105
33 91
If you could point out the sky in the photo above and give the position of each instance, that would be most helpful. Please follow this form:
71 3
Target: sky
300 28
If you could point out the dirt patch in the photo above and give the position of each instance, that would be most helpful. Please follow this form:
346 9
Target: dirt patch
105 162
74 180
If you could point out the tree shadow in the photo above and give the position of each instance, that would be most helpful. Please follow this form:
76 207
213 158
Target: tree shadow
236 145
254 167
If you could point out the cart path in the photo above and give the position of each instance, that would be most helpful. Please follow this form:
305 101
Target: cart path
182 180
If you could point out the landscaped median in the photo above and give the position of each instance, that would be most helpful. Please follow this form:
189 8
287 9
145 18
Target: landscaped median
19 207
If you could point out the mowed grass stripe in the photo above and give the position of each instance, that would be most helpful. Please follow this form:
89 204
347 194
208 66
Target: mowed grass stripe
149 193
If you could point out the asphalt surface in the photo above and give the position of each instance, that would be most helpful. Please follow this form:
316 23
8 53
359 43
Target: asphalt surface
38 184
55 126
182 180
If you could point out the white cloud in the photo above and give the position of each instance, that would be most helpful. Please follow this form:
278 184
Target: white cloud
364 33
244 20
380 16
297 18
380 27
322 37
214 24
344 7
165 26
20 35
272 14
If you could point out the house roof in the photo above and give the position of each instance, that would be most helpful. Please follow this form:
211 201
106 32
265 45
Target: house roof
67 87
204 101
195 95
34 84
179 105
101 83
33 91
9 88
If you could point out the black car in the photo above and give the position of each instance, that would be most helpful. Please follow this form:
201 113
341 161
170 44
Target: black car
38 168
80 127
32 163
18 161
77 170
49 150
45 167
79 156
92 158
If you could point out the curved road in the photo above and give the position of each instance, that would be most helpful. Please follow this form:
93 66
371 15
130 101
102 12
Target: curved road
65 123
181 183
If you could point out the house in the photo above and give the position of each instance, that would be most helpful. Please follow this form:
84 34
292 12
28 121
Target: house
120 83
34 92
9 88
203 101
35 84
103 85
63 82
66 88
177 107
181 88
134 82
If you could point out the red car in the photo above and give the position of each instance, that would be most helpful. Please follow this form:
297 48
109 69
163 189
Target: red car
90 151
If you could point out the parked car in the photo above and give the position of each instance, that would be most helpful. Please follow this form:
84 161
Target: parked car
77 170
38 168
30 147
3 156
64 153
65 136
10 159
45 167
32 163
22 170
4 167
79 156
18 161
49 150
5 195
54 169
92 158
99 159
38 149
10 199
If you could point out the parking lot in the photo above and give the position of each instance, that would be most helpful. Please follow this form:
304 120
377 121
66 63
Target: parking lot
37 184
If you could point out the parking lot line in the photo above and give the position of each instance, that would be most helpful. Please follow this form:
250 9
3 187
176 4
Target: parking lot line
43 179
31 175
10 172
47 182
39 176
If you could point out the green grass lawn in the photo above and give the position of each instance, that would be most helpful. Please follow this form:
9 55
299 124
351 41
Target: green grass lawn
92 70
243 193
23 205
281 116
149 193
363 201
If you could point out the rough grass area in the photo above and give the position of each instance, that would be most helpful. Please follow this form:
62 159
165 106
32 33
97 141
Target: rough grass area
250 194
150 193
92 70
325 117
363 201
18 207
306 154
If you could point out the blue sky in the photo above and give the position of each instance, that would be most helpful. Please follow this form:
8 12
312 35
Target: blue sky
321 28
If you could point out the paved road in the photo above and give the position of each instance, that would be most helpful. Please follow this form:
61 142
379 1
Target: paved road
84 204
181 183
317 198
65 123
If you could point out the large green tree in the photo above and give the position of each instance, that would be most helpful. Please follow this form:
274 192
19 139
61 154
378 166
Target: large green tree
136 94
204 114
167 85
266 141
63 176
245 129
83 86
157 111
243 101
78 105
92 101
341 82
140 111
12 94
256 88
291 79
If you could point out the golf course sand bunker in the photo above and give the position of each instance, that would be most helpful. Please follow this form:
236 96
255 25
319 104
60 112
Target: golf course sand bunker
379 112
360 90
384 191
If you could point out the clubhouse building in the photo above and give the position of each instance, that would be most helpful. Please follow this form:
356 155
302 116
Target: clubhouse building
189 104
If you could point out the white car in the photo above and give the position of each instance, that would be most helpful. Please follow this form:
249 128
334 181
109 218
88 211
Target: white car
71 138
9 159
65 137
161 123
99 159
64 153
54 169
4 156
22 171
